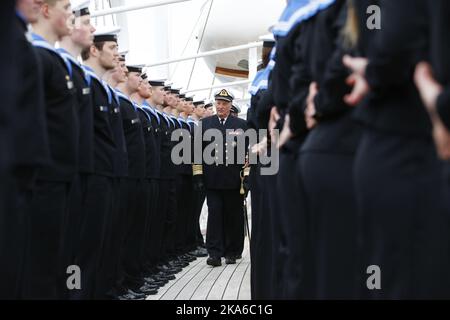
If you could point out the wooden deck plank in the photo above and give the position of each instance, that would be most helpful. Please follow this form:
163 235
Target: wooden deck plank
244 290
232 290
203 290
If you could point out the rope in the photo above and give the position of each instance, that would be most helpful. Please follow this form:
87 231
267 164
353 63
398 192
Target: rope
200 44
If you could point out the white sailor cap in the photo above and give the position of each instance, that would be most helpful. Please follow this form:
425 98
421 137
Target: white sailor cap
80 7
107 34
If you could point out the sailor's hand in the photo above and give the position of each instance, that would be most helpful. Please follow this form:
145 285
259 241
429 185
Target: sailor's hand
356 80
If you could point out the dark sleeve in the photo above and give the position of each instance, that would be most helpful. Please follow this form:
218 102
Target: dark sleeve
443 107
329 100
252 119
264 107
398 45
299 85
7 88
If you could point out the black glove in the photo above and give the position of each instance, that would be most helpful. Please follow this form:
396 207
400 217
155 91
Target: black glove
198 183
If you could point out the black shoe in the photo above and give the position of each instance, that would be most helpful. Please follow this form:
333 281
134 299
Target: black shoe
148 291
214 262
138 295
199 253
128 297
239 257
230 260
152 282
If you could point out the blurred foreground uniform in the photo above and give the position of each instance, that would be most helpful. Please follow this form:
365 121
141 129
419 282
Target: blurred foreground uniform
399 187
327 154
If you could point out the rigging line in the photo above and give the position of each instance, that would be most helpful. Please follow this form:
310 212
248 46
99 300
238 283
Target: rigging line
189 39
212 84
200 44
113 16
104 18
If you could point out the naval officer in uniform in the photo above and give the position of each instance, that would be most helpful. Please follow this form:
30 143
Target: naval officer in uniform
225 231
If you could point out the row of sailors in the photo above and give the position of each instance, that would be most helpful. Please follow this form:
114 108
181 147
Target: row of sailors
93 187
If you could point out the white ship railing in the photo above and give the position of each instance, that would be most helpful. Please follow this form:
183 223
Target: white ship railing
128 8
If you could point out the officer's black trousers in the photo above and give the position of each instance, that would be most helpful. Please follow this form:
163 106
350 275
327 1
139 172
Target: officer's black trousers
95 213
328 183
225 233
44 257
403 206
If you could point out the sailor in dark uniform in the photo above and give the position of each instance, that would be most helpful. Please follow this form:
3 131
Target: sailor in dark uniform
261 239
29 148
291 250
98 59
401 197
186 243
225 233
327 155
71 48
172 103
135 219
51 193
113 227
149 119
162 125
199 194
148 191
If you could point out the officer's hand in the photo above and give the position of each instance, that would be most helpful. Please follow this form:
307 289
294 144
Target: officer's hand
198 183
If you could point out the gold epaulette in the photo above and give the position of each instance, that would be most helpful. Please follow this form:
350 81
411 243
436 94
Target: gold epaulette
197 169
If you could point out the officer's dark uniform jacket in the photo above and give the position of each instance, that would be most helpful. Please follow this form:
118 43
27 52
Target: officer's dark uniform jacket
62 119
134 137
105 147
222 176
318 56
121 158
85 114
